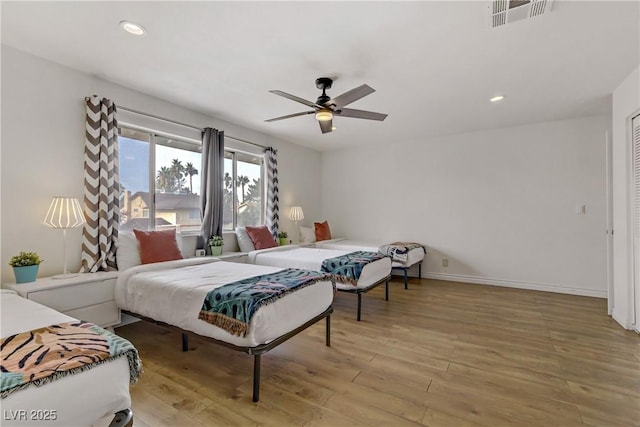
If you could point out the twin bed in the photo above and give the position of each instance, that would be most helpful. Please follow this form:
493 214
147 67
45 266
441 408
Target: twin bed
375 271
413 256
172 293
77 398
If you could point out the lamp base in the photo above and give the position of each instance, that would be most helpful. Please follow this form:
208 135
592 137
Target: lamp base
64 276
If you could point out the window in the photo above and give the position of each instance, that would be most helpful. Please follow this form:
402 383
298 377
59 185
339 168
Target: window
159 181
243 189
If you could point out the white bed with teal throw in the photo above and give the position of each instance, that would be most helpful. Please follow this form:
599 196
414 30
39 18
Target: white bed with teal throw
373 269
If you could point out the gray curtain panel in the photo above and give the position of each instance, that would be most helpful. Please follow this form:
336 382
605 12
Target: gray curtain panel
273 213
101 186
211 198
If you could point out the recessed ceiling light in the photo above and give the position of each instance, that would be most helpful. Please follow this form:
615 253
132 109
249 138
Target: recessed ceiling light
497 98
133 28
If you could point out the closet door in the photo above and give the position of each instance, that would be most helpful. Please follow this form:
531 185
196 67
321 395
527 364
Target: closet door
635 203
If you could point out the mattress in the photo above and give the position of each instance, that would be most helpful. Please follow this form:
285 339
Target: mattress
74 400
173 292
414 256
311 259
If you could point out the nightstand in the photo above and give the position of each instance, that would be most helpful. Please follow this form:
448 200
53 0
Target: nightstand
88 296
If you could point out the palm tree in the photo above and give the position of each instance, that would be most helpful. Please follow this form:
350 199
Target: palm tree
242 181
190 170
177 169
254 190
164 179
227 181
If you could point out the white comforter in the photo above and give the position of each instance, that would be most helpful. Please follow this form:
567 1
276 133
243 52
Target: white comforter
294 256
79 399
173 292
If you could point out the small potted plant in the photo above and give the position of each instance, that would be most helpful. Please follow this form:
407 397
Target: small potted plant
215 244
25 266
282 238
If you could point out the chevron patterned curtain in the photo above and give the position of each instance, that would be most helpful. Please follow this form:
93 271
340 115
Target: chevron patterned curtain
101 186
273 214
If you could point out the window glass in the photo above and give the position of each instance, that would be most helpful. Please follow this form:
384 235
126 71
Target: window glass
166 168
177 184
133 151
242 190
228 193
249 186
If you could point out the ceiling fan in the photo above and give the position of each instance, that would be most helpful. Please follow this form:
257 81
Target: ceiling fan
325 108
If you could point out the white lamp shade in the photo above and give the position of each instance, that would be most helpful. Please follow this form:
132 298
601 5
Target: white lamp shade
64 212
296 214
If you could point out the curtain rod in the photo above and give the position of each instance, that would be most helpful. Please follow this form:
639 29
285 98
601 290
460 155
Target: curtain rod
131 110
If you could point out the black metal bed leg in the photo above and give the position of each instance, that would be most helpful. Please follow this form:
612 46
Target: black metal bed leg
327 340
185 342
406 278
359 305
256 377
122 418
420 270
386 290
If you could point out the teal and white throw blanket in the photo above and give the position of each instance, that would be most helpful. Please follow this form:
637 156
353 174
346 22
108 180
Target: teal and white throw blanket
347 268
232 306
399 251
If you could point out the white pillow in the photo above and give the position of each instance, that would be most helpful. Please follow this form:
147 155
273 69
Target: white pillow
244 241
307 235
128 254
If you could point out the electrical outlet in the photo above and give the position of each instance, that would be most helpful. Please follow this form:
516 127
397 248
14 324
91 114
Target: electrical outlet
445 262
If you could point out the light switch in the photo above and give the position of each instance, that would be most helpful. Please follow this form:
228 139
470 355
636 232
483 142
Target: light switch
581 209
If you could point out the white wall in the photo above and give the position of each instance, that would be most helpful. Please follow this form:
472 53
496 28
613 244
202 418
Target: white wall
499 204
626 104
43 126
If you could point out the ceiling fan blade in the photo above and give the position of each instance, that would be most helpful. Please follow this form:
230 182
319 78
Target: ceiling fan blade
304 113
351 96
360 114
296 98
326 126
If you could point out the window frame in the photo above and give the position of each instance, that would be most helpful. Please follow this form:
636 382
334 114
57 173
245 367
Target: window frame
185 143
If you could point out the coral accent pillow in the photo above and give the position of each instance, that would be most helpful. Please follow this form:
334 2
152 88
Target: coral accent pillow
261 237
323 232
158 246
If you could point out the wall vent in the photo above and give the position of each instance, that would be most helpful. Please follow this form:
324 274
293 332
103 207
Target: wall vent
506 11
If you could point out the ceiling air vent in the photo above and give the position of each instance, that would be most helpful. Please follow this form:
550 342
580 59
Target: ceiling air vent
506 11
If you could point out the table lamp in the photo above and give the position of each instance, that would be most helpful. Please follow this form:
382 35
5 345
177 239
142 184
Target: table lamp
64 213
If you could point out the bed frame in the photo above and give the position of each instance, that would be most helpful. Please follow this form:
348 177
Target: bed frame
406 271
360 291
256 351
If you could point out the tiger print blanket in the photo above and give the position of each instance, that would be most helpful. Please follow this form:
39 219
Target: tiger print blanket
399 251
42 355
232 306
347 268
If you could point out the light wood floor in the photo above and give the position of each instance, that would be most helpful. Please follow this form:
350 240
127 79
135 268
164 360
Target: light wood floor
440 354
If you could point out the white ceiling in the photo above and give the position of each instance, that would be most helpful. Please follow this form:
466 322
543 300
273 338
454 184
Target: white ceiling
434 65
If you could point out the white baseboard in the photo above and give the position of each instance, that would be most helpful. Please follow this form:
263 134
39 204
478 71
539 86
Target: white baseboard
512 284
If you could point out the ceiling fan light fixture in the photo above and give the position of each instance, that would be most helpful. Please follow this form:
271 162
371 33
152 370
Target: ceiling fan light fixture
324 115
